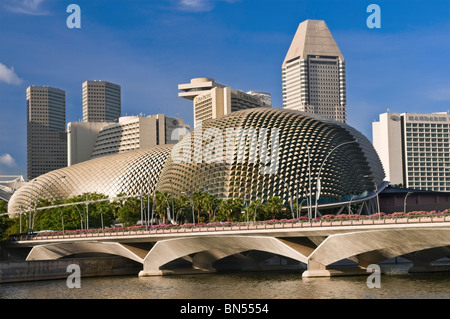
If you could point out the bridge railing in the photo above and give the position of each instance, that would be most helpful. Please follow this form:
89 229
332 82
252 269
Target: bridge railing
223 227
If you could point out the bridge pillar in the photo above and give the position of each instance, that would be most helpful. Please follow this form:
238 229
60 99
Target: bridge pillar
423 261
316 269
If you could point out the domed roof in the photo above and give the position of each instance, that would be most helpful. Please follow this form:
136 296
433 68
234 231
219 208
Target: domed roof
128 173
263 152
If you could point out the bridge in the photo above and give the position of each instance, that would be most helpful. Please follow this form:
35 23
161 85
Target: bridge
315 245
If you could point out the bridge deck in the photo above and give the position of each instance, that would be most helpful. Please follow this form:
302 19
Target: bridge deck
282 229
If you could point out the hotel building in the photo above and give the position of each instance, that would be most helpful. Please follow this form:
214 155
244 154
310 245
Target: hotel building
313 73
414 149
46 136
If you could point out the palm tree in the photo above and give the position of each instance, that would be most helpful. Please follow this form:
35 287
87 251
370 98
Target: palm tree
210 203
256 210
198 199
273 207
161 205
231 209
182 207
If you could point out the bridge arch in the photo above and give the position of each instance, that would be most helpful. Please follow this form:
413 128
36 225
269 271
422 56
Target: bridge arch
374 246
209 249
60 250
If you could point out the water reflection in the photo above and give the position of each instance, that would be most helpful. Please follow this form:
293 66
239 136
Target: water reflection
396 283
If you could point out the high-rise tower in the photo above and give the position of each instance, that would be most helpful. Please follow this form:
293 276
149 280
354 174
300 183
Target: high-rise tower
46 135
313 73
101 101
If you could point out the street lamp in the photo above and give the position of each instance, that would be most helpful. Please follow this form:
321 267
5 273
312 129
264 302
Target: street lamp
243 212
350 204
256 206
404 203
309 184
290 196
376 190
320 170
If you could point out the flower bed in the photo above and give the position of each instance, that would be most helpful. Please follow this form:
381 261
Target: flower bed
276 222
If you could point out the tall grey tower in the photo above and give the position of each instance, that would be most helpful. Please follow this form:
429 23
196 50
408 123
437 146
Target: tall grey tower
46 130
101 101
313 73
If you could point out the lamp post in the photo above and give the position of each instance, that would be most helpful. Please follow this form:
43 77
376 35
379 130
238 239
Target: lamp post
214 214
31 202
256 207
350 204
320 170
290 196
376 190
243 212
404 203
309 184
168 207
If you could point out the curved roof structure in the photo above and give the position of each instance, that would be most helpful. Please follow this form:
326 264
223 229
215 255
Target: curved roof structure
128 173
252 154
263 152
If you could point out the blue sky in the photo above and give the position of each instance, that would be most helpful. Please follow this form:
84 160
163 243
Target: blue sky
149 47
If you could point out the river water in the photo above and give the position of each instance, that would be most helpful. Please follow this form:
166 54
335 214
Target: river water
395 283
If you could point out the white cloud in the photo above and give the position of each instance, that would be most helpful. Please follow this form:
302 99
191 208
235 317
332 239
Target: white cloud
200 5
7 160
28 7
9 75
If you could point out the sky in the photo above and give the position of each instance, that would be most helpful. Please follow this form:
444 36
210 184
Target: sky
148 47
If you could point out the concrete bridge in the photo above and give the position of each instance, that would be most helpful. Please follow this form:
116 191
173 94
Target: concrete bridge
315 247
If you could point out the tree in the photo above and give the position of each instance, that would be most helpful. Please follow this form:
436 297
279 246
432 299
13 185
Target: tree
256 210
210 203
198 198
273 208
5 222
130 211
183 208
230 209
101 213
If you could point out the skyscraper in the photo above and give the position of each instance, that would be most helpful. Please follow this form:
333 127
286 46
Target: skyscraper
101 101
46 136
313 73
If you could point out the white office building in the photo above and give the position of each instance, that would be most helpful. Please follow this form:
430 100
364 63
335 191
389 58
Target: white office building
414 149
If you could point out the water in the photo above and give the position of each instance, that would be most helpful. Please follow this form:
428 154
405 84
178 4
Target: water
396 283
